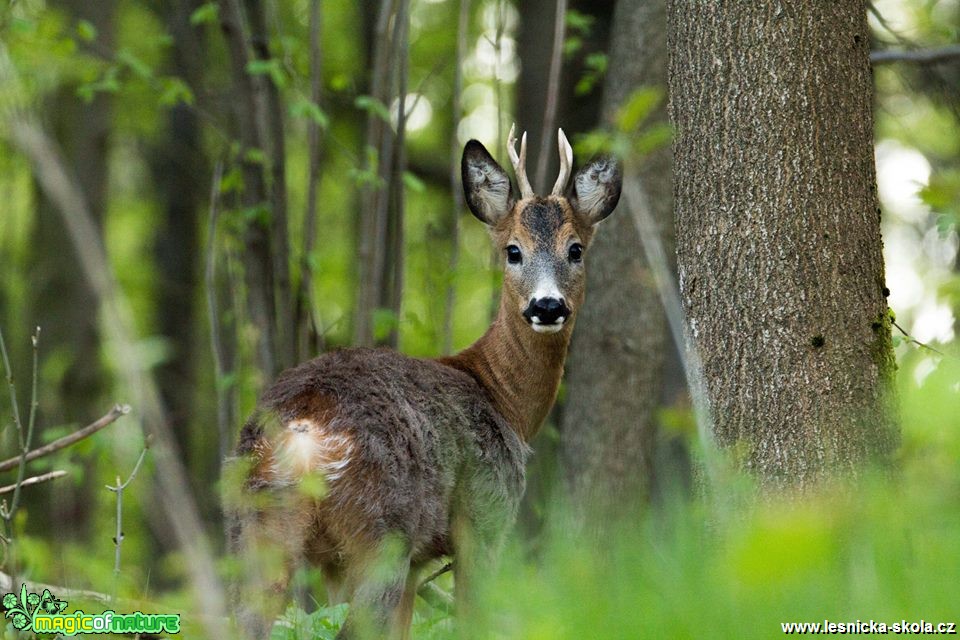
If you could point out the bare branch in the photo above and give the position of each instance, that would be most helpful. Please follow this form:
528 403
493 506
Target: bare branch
118 536
448 566
115 413
553 91
52 475
917 56
224 394
651 239
911 339
436 597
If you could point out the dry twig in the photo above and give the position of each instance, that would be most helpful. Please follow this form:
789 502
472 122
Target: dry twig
115 413
52 475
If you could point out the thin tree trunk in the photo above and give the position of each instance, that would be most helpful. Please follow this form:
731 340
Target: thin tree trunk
271 111
258 260
308 318
372 216
393 264
615 376
778 232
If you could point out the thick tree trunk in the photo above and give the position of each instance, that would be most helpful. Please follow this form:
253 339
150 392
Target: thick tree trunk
778 232
615 376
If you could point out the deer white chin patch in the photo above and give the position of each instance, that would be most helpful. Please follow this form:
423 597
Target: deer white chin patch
539 327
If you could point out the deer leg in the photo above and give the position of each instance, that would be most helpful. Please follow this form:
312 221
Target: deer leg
476 550
403 615
269 544
381 580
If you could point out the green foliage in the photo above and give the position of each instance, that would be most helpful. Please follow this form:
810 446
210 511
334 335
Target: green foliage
272 68
373 106
321 624
207 13
309 111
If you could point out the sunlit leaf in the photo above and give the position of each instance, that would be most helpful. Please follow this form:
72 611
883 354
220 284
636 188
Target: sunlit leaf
207 13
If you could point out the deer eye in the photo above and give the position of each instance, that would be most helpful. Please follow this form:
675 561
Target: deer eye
575 253
513 254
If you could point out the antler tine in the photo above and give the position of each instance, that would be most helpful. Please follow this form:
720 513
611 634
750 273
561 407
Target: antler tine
566 163
519 162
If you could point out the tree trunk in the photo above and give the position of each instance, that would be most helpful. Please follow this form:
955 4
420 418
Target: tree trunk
615 375
179 169
252 131
778 232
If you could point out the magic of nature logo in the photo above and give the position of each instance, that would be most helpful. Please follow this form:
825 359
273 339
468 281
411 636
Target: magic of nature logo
44 613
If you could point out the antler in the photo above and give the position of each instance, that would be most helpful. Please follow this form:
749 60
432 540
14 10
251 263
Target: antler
566 163
519 162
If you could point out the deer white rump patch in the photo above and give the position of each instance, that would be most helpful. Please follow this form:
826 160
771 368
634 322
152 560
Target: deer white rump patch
307 447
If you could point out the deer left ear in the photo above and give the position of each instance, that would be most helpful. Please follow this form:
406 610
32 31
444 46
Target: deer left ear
596 190
486 186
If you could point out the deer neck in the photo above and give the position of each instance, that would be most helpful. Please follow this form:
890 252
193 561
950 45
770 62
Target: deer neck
519 368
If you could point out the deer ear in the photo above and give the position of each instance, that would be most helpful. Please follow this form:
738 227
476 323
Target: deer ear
596 190
486 186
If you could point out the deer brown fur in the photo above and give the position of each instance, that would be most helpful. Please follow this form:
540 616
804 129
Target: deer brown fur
413 459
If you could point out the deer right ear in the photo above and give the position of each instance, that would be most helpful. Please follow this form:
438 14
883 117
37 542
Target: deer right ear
486 186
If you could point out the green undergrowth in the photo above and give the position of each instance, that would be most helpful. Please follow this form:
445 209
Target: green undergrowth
885 548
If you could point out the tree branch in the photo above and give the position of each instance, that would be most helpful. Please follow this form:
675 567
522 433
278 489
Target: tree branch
918 56
115 413
53 475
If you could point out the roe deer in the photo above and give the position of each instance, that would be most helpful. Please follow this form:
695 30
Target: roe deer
370 464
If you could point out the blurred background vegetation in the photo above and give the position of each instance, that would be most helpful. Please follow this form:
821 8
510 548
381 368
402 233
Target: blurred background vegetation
147 109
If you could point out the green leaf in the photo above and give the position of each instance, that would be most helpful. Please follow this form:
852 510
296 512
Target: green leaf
86 31
384 322
413 183
597 61
231 181
577 21
205 14
309 110
637 107
255 156
271 67
653 138
174 91
572 45
135 64
373 106
258 214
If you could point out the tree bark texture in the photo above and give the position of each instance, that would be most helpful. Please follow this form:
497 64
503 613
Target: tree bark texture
621 343
778 232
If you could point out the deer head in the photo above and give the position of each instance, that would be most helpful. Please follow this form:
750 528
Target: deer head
543 240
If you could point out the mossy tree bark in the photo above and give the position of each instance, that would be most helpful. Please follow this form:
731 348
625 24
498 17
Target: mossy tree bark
778 232
616 369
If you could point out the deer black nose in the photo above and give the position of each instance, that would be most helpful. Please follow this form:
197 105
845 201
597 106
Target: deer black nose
546 311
